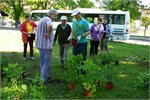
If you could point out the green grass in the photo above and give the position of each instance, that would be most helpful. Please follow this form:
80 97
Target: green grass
124 83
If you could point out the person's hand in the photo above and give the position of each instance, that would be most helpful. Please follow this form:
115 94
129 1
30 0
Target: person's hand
78 38
91 38
46 36
25 32
69 38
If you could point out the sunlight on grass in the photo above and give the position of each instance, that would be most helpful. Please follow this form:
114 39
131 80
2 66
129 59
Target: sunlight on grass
122 75
131 63
110 46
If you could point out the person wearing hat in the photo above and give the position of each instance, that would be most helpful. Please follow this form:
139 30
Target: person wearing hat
63 31
44 42
27 28
105 36
80 29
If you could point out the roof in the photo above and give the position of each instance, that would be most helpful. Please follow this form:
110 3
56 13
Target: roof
3 13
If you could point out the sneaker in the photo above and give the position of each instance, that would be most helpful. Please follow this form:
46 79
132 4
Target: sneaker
32 58
24 58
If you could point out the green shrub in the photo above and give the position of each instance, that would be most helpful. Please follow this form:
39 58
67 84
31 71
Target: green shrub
142 80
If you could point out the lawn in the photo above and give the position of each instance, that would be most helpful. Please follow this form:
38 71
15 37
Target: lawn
125 82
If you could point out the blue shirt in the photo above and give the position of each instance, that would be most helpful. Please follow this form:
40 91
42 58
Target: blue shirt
80 27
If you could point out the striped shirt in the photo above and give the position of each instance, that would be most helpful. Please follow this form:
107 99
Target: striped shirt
41 41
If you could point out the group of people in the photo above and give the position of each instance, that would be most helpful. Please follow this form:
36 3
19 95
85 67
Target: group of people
45 39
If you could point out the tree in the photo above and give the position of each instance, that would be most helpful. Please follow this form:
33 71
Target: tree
145 22
65 4
40 4
71 4
15 7
126 5
4 6
85 4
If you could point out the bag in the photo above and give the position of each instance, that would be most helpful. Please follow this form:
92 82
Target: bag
33 36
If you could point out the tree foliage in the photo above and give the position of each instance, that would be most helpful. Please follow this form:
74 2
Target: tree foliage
85 4
65 4
126 5
16 7
40 4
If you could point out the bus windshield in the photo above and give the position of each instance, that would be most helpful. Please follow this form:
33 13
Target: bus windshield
91 18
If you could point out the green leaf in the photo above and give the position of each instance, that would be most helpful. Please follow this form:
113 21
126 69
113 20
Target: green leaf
24 87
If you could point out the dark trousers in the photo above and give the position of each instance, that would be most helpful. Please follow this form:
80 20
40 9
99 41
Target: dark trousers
30 40
80 48
94 47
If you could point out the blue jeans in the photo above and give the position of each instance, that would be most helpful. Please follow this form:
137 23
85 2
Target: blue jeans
45 61
63 50
80 48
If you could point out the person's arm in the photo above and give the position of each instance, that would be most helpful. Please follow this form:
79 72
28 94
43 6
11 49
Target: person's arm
85 34
91 29
22 28
49 29
70 30
110 28
56 34
86 26
34 25
102 31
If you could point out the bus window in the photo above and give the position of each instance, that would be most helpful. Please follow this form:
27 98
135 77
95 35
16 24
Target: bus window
114 19
91 18
119 19
37 16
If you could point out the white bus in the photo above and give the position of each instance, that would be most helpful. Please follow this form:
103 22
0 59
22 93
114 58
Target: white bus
119 20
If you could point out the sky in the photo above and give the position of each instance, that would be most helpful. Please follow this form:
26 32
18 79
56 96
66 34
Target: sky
144 2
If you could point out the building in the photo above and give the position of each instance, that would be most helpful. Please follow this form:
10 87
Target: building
2 14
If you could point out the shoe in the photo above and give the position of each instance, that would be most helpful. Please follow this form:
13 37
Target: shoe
24 58
32 58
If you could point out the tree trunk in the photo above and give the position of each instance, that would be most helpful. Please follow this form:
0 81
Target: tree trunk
145 30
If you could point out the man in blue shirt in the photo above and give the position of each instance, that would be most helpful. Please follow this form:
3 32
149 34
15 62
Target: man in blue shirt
80 29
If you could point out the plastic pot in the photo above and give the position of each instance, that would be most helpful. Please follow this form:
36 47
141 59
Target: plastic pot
73 42
70 86
109 85
86 92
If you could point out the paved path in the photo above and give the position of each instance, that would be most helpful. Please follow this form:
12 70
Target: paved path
10 40
139 42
